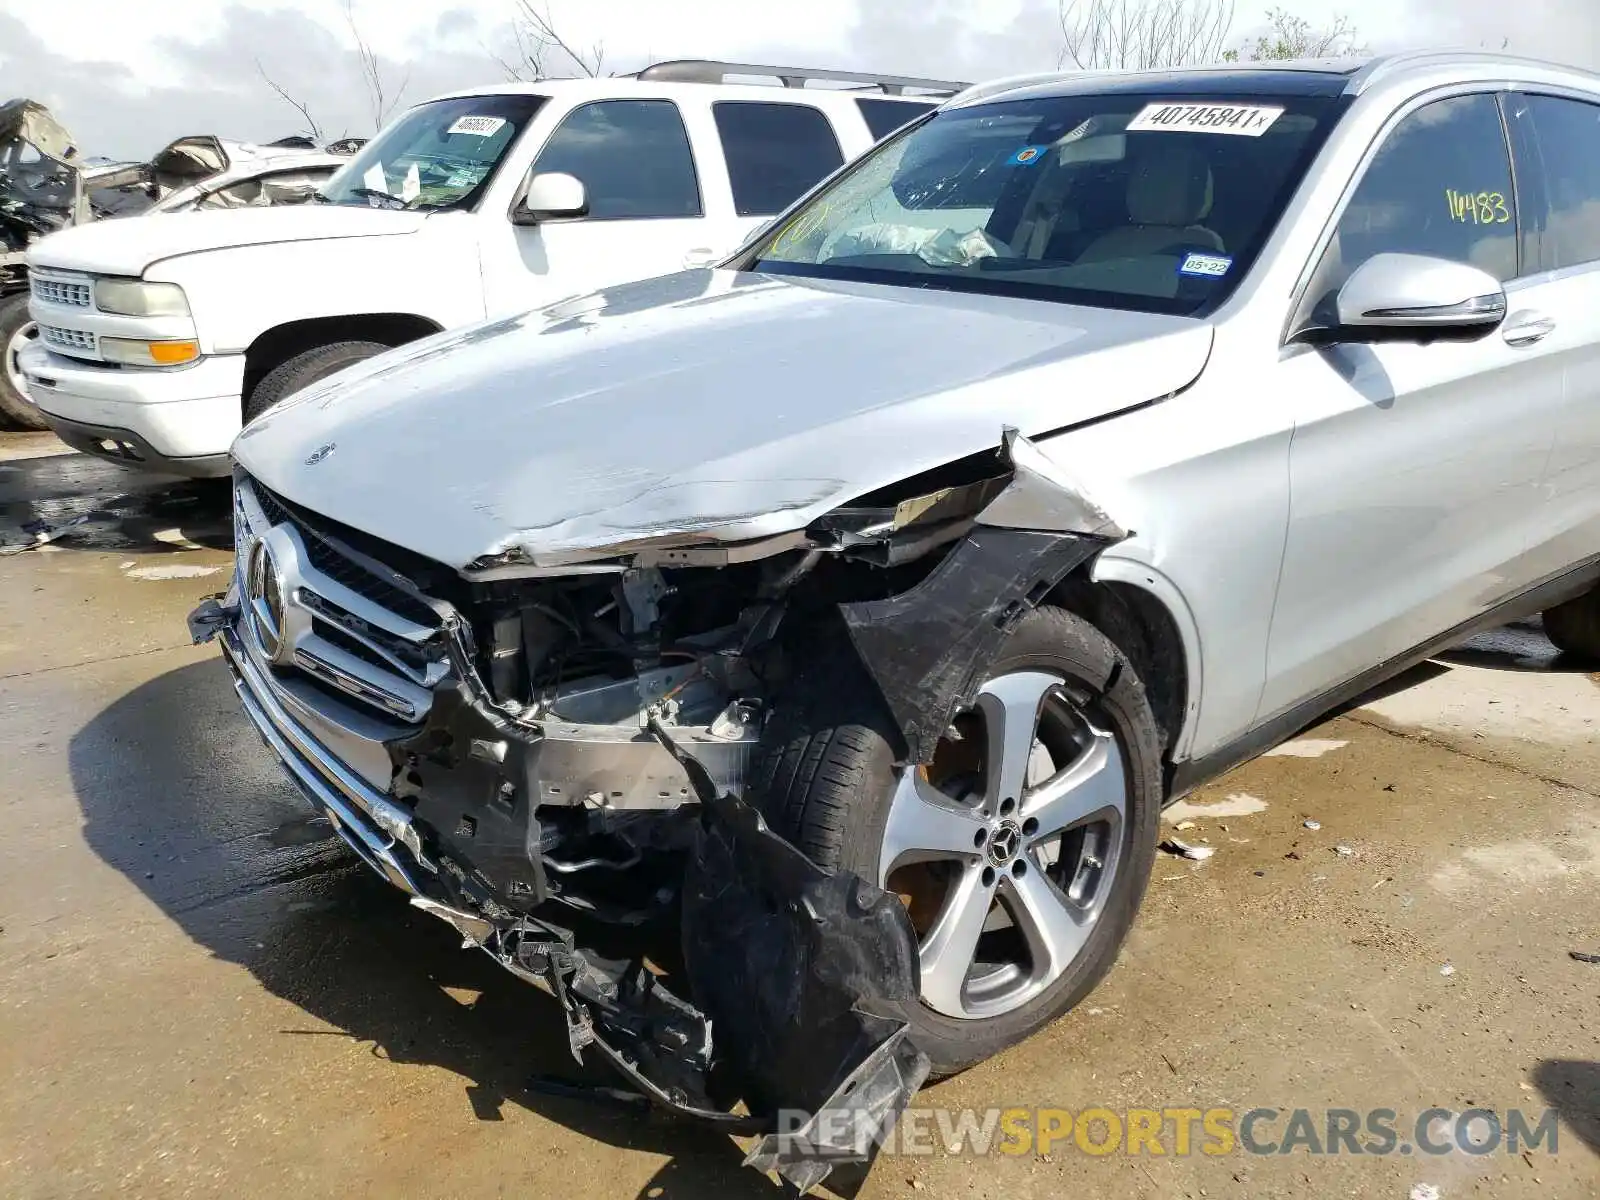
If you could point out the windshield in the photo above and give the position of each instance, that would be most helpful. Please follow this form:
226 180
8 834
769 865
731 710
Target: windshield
1126 200
438 155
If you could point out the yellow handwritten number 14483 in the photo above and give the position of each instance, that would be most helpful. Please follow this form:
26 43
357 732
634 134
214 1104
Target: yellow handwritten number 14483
1481 208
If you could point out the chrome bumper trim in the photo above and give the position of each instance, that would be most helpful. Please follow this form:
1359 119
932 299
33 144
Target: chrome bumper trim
374 828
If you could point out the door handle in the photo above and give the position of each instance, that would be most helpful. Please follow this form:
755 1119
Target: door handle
1526 327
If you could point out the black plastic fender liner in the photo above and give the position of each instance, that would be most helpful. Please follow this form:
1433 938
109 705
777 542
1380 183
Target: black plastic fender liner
806 978
928 647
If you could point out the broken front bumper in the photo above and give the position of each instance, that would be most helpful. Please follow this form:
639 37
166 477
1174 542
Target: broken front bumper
369 696
806 977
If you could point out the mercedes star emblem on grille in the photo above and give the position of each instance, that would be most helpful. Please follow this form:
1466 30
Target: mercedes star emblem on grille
264 591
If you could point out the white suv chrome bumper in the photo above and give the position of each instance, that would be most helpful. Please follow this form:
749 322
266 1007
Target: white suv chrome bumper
181 420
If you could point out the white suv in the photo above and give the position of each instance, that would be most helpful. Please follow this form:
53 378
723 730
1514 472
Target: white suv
159 339
1077 443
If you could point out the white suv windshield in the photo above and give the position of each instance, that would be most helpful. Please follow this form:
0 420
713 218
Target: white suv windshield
439 155
1126 200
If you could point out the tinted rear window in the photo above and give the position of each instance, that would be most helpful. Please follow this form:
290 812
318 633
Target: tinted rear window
775 152
883 117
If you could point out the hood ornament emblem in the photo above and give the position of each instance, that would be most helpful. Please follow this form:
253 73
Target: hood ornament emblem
320 453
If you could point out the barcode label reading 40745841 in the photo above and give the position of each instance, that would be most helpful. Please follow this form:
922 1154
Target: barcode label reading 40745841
1243 120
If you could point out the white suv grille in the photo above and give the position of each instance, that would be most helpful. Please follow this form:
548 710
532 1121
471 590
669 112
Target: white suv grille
60 291
67 339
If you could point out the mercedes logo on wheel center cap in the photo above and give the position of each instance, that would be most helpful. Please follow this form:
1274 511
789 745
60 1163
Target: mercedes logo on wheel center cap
1004 844
264 593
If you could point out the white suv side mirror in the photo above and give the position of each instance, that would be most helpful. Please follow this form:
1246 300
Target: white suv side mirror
1414 297
551 196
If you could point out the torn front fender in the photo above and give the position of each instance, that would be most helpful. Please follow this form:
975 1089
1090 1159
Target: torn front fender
928 647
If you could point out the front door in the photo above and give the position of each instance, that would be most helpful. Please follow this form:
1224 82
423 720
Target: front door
1414 469
646 212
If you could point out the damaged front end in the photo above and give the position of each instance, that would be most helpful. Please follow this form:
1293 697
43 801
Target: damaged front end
556 759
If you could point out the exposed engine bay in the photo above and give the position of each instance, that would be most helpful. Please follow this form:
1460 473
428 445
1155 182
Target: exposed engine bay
558 761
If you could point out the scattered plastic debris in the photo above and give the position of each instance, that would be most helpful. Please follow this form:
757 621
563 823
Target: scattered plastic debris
1304 748
1313 824
172 571
1583 956
42 534
176 537
1447 970
1182 825
1239 804
1344 851
1185 850
1424 1191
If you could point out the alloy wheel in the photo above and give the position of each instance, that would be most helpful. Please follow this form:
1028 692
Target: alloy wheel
1006 846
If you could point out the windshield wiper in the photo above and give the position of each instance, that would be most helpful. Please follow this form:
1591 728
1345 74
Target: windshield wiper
379 194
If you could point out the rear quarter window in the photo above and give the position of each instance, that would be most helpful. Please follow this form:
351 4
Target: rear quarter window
883 117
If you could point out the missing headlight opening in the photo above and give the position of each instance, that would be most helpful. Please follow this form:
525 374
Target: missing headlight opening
568 764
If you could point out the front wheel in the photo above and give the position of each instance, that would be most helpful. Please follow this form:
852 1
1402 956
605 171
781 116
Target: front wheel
304 369
1021 850
17 331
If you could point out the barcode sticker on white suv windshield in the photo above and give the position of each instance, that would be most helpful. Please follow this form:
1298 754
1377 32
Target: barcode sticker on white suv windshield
477 126
1245 120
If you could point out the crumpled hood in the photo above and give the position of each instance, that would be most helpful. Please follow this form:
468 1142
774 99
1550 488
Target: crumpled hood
130 247
730 406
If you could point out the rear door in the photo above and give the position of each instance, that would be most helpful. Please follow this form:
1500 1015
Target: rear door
775 152
1414 469
1558 152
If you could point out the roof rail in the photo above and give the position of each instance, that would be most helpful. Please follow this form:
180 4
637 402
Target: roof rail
995 87
1389 64
703 70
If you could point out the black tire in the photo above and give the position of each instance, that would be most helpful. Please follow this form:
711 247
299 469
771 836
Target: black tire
304 369
19 412
824 776
1574 627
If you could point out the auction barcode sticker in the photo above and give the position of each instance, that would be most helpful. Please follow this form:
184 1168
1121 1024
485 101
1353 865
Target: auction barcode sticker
1245 120
477 126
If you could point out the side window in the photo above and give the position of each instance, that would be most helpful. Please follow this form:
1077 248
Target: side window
775 152
883 117
1439 185
1568 132
633 158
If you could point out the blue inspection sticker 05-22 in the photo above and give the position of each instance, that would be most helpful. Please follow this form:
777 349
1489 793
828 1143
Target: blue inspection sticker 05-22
1026 156
1207 266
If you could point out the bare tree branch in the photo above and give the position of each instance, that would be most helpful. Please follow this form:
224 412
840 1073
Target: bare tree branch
1102 35
536 35
527 55
313 130
380 100
1289 36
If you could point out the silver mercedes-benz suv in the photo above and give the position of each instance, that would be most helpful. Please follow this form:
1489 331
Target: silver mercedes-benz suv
1080 441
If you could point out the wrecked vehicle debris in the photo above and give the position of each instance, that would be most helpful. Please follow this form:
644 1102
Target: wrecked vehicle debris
950 569
573 753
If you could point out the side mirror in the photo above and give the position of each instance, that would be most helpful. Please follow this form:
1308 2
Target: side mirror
1416 298
550 196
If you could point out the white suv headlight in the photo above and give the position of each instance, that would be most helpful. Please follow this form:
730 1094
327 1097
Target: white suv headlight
136 298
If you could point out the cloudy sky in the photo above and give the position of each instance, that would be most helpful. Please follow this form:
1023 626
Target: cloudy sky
129 75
